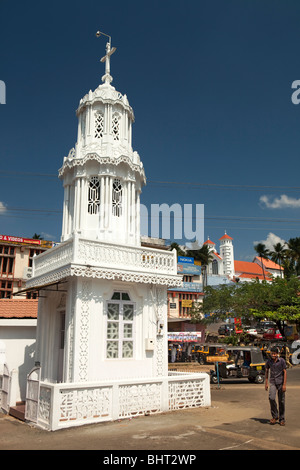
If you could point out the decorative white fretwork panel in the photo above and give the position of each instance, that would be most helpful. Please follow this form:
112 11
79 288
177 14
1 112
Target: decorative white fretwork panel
117 197
44 411
99 125
186 394
94 195
116 126
84 330
139 399
158 298
91 403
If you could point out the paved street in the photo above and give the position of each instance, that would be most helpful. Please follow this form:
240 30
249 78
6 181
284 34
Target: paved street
237 420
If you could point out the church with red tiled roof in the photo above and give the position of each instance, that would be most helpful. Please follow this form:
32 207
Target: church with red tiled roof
224 265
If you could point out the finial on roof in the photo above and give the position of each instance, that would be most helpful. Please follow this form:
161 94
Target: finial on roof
107 78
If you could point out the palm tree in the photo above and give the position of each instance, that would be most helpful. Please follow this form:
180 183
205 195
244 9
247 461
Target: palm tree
37 237
179 250
278 255
294 252
262 252
203 255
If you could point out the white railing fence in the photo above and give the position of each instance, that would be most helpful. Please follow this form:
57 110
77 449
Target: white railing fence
64 404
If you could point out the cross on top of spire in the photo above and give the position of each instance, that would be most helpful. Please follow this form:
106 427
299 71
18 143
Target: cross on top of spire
107 78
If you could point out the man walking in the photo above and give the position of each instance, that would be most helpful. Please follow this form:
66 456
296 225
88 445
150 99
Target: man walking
277 367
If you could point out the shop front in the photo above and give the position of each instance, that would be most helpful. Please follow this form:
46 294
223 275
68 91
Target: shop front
181 345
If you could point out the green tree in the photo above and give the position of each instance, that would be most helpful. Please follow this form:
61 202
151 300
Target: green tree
278 301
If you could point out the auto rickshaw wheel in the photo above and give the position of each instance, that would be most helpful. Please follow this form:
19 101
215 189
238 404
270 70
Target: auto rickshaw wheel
201 360
214 379
259 379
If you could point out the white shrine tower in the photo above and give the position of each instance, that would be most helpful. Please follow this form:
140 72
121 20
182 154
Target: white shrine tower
102 349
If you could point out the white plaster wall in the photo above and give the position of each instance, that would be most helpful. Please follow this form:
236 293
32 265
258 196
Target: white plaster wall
20 344
143 364
85 332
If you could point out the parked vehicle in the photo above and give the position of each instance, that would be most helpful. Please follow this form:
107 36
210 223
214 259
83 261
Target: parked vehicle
226 330
272 334
243 362
250 331
210 353
263 326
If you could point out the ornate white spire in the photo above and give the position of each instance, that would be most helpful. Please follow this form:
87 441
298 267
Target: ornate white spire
107 78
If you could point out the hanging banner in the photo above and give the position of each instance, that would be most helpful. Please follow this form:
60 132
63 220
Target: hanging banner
184 337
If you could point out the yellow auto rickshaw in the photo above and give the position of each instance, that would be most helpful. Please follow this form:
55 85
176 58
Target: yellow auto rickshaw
210 353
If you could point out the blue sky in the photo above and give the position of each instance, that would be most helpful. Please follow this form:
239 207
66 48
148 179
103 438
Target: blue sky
210 86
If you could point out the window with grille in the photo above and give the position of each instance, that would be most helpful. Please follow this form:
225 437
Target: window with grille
120 327
94 195
99 125
116 126
117 198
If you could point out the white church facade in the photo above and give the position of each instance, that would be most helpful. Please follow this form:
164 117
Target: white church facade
101 350
224 268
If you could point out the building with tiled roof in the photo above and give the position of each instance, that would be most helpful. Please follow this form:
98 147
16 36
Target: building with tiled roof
18 314
247 270
269 265
224 268
18 308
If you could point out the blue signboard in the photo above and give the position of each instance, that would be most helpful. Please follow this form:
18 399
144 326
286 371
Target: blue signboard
188 287
185 259
192 269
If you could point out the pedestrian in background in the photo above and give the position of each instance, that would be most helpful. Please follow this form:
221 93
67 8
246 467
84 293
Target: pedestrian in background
285 354
277 367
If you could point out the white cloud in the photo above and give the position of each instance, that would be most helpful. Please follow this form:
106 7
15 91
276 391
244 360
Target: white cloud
2 207
281 202
270 241
48 236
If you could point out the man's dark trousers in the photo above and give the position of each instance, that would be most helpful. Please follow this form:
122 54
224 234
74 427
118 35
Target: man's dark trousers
273 390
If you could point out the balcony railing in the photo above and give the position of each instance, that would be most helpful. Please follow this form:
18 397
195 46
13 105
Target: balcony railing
79 251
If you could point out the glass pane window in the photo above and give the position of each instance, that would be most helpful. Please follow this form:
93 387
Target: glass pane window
112 330
127 330
127 350
128 312
120 327
116 296
112 348
7 260
113 311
